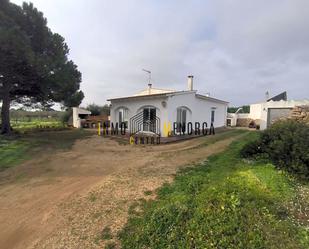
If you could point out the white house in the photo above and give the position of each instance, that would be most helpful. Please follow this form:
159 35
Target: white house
155 110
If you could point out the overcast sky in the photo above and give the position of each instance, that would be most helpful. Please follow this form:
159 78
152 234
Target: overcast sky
236 49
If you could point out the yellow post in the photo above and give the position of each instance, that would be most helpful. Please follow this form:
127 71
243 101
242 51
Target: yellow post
99 128
169 129
132 140
165 130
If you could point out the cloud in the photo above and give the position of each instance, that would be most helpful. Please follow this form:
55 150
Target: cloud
236 49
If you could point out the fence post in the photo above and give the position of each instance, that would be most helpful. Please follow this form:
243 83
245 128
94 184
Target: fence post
99 128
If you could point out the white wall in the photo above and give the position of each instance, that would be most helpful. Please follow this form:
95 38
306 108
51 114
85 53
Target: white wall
200 109
256 111
234 116
76 119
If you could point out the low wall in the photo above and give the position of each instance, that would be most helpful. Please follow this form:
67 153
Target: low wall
300 113
243 122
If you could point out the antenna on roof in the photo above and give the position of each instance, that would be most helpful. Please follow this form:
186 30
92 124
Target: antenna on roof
149 79
266 95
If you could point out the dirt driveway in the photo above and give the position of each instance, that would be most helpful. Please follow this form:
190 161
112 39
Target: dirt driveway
66 199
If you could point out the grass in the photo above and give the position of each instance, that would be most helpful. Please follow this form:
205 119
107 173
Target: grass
106 233
148 192
36 123
92 197
110 245
225 202
221 135
14 150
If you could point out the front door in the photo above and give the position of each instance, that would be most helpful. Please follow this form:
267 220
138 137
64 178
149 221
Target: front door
149 119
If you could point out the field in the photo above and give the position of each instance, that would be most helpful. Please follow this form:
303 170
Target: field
27 121
73 189
17 149
23 125
224 202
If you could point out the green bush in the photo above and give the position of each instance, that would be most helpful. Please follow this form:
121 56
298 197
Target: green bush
65 118
286 144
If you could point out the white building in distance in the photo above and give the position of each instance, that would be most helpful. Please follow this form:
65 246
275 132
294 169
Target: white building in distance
267 112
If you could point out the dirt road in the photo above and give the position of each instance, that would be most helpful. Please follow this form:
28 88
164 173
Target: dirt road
66 199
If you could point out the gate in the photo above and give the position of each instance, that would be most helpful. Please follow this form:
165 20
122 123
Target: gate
275 113
143 122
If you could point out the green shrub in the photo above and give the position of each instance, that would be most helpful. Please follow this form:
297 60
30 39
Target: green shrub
253 149
65 118
286 144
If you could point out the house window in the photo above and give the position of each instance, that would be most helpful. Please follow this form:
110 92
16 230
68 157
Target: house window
212 120
123 116
181 119
120 116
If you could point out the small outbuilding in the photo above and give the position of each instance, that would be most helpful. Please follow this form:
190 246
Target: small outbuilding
265 113
79 115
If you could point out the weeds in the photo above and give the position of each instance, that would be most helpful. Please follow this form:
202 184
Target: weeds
223 203
106 233
92 197
148 192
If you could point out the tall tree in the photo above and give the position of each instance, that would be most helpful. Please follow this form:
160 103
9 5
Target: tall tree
34 64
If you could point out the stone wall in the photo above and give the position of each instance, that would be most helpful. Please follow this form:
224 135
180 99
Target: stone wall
243 122
300 113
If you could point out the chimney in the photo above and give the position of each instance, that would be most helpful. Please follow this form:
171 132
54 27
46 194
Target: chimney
267 95
190 83
149 88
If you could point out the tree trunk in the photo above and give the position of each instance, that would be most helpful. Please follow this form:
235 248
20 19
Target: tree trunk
5 110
